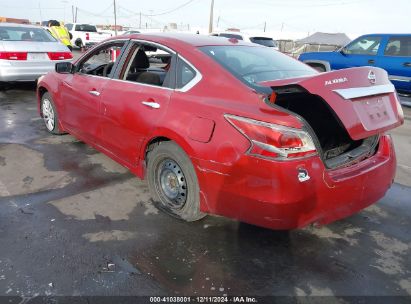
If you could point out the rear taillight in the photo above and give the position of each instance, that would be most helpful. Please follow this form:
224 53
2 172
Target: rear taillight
13 55
60 55
87 36
273 141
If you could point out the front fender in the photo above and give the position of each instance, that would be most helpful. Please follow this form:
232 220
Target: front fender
49 83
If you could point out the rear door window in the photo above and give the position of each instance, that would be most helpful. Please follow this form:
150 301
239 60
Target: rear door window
9 33
150 65
85 28
398 46
264 41
185 73
364 46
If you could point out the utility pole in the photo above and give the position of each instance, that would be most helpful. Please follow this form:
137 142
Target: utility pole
41 16
115 18
218 21
72 12
210 24
265 25
76 15
140 21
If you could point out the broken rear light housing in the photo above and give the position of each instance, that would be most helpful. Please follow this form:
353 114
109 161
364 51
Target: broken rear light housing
273 141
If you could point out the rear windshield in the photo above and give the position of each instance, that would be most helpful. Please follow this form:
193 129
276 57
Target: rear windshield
238 37
256 64
264 41
8 33
85 28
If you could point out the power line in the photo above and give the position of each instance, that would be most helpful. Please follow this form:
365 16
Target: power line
133 13
281 3
174 9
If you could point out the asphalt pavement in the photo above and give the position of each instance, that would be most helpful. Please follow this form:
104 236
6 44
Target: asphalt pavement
74 222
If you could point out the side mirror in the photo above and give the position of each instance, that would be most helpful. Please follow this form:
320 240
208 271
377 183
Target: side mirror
64 67
343 51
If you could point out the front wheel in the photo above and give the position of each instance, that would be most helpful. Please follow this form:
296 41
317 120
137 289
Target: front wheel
49 114
173 182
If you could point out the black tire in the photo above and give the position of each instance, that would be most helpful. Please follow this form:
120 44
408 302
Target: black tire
163 159
47 108
79 43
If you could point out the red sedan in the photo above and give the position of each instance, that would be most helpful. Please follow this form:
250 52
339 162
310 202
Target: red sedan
226 127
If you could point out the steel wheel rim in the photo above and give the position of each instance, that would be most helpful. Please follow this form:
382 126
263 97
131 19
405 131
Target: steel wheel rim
172 184
48 114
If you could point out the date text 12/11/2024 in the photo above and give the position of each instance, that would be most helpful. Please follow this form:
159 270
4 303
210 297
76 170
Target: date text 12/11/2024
205 299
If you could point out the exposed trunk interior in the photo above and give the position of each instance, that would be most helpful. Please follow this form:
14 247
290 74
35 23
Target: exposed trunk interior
337 146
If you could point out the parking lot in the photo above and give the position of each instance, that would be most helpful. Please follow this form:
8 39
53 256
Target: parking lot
73 222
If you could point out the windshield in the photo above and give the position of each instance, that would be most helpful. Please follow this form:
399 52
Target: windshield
85 28
264 41
8 33
257 64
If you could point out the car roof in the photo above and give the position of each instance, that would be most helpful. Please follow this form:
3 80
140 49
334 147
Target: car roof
386 34
195 40
7 24
243 34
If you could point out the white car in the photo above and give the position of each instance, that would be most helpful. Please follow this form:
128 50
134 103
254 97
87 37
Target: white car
259 39
28 52
85 35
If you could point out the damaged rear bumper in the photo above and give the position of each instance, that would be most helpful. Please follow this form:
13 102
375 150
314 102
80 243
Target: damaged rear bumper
271 194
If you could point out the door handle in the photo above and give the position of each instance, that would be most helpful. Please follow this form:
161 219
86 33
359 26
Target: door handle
372 61
407 64
151 104
94 92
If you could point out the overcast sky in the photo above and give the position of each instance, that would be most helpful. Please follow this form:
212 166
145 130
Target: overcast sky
303 16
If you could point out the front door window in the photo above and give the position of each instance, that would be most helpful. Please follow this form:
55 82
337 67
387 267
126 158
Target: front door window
364 46
101 61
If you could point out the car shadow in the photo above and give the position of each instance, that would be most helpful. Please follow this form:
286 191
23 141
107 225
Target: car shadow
21 86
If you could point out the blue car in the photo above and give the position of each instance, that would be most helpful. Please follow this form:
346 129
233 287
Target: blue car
391 52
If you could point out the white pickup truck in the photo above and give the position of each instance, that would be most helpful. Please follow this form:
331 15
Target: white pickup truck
85 35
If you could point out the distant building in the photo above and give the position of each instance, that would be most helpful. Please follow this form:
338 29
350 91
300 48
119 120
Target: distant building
14 20
110 27
338 39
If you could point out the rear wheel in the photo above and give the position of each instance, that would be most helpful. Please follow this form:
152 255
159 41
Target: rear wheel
79 43
49 113
173 182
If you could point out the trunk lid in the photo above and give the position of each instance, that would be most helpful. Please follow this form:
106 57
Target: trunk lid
363 98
